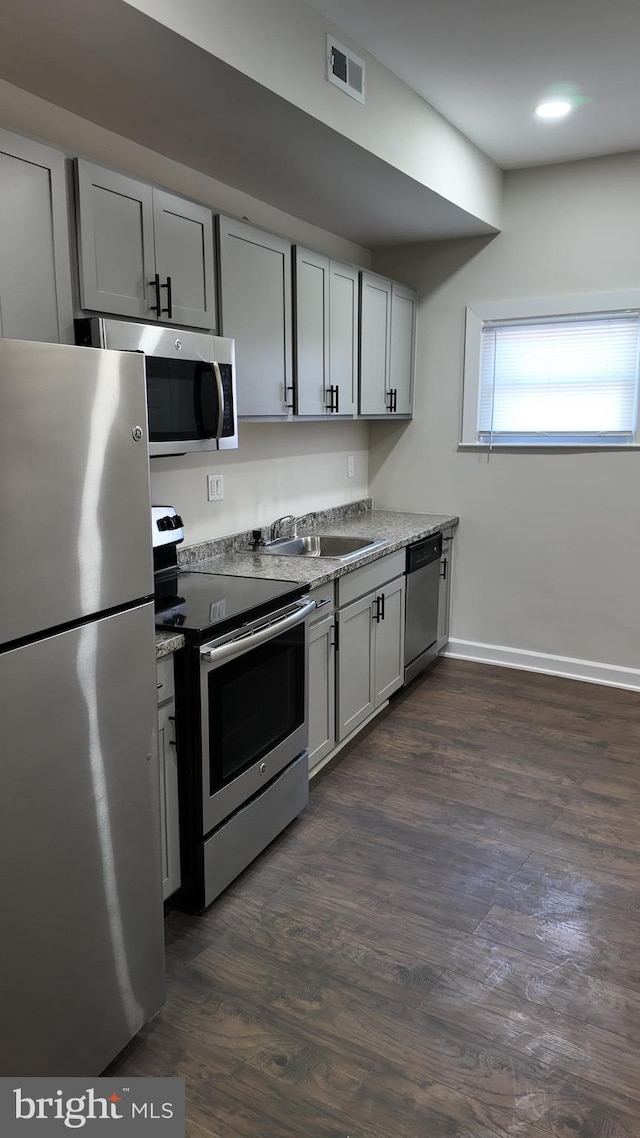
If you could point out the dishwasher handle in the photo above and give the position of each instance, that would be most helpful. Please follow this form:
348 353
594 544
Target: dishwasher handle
424 552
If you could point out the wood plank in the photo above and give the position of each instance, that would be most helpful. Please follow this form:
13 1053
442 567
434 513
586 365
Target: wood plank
584 1050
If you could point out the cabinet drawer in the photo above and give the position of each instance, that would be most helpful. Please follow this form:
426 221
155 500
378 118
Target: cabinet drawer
370 577
324 596
164 679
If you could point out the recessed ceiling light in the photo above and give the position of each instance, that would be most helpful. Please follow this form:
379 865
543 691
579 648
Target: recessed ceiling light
554 108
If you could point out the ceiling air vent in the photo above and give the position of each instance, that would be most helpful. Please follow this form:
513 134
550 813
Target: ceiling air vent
345 69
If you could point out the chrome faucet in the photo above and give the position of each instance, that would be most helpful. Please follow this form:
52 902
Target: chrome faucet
276 528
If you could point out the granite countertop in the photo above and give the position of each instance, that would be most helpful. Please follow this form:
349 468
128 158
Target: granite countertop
168 642
232 555
400 529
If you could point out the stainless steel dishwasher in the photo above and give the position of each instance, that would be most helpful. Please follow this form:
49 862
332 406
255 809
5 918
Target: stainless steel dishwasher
421 612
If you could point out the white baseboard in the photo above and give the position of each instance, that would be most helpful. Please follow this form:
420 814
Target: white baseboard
565 666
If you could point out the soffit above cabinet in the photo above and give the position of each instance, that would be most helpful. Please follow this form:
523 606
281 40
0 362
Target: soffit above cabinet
117 67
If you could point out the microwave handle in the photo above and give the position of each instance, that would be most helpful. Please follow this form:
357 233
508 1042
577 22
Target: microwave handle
218 381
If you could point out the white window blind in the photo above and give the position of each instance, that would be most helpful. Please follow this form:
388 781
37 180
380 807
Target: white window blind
559 381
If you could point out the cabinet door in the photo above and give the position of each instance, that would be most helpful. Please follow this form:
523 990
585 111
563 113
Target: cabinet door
183 232
343 335
115 243
255 310
356 694
389 641
322 690
375 344
403 324
169 813
312 331
35 275
444 593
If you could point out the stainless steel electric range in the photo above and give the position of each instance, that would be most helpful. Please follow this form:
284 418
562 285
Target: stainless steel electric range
241 711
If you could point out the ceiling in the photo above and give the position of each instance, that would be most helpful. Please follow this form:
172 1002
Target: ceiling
116 67
485 64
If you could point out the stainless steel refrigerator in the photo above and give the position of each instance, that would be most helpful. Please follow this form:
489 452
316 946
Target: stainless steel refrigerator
81 925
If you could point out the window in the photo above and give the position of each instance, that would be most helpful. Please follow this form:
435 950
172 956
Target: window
556 379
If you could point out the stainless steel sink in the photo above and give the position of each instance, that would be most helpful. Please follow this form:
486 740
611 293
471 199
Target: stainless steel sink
324 545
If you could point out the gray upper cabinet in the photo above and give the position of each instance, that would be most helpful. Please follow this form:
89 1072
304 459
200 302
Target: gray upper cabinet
343 336
255 310
143 253
183 233
387 346
375 344
35 276
326 335
311 291
403 332
115 242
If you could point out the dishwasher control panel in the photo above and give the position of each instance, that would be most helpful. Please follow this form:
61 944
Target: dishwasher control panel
424 552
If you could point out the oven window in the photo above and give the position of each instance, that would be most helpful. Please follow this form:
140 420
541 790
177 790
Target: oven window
255 702
182 400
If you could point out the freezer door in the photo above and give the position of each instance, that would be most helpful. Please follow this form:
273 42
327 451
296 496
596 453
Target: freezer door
82 946
74 484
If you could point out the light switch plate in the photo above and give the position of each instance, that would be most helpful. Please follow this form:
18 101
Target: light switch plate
215 487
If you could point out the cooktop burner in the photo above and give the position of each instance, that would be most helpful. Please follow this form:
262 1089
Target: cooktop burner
199 604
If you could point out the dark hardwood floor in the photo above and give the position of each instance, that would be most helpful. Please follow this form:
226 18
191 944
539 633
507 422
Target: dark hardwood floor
447 941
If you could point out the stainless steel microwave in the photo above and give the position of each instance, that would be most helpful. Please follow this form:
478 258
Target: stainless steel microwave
191 382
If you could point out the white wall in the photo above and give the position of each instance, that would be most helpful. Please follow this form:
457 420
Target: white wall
279 468
282 44
548 553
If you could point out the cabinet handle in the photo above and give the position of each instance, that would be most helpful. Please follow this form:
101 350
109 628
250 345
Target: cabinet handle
337 406
331 405
383 599
389 399
155 283
321 604
169 308
394 406
289 387
443 568
377 616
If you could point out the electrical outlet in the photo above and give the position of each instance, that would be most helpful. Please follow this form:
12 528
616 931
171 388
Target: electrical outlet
350 466
215 487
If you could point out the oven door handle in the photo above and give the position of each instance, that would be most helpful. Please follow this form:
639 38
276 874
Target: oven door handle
254 639
220 389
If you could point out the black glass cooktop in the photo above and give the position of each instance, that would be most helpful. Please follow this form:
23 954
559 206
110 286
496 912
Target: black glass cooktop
199 604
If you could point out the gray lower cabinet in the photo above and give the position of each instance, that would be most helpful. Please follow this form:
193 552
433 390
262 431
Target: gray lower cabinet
389 640
143 253
35 272
444 593
256 311
168 779
326 335
370 646
387 346
322 689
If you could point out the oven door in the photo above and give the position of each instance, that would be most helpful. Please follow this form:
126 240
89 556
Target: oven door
254 708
